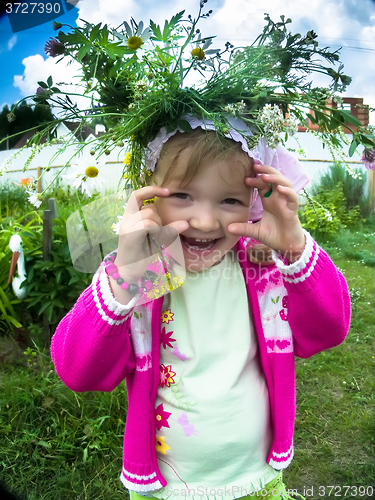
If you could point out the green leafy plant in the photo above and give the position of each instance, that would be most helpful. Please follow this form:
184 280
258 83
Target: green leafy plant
353 186
29 227
46 281
13 199
327 212
49 281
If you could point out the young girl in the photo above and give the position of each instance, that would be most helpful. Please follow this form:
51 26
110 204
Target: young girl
210 366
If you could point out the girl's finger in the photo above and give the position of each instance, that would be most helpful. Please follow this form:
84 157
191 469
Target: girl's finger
179 225
244 229
290 195
266 169
262 181
276 179
139 220
137 198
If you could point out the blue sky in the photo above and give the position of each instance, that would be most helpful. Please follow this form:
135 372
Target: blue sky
346 23
15 47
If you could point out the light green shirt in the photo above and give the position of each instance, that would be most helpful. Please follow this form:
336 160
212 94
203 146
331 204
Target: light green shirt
212 385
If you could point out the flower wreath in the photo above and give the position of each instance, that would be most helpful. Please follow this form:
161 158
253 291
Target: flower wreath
134 79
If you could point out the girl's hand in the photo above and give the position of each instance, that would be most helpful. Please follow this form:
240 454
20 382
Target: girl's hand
134 253
279 227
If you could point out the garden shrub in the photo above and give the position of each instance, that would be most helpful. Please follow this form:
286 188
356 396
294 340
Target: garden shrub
29 227
353 187
13 199
337 202
53 286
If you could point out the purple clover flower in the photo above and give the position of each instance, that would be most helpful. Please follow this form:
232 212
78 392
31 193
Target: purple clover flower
54 48
368 159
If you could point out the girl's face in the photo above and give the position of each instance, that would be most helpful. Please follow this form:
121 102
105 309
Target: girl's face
214 198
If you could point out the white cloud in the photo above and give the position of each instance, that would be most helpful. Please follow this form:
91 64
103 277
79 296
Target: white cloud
102 11
12 42
117 11
9 45
39 69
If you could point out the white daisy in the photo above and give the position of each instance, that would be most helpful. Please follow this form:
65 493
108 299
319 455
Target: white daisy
87 174
135 34
199 48
34 199
116 225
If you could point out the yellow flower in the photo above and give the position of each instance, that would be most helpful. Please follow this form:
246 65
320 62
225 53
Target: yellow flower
161 445
198 53
128 159
150 201
134 42
200 49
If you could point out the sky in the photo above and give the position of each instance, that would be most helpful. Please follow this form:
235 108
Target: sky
349 24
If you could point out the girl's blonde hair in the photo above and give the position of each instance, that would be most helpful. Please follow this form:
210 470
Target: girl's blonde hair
206 147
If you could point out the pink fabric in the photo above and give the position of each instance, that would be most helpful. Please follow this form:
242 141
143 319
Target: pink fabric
290 167
92 355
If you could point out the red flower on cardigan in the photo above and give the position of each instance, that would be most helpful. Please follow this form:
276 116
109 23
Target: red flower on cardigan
161 417
284 313
166 375
166 338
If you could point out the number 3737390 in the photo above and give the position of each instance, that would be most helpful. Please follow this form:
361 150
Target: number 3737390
33 8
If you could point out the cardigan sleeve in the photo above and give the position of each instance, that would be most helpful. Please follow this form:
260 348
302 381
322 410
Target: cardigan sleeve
318 300
91 348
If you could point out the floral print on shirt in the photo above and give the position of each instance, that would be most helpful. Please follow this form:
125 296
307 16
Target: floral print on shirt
166 375
167 316
166 338
161 417
161 445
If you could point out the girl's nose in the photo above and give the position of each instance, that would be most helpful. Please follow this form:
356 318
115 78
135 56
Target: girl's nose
204 220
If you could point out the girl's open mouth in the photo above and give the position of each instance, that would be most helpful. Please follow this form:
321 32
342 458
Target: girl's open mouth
198 247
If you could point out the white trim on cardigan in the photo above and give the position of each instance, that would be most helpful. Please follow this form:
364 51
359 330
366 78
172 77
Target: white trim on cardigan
101 279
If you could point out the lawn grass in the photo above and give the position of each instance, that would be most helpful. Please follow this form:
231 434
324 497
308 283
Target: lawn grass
335 424
58 445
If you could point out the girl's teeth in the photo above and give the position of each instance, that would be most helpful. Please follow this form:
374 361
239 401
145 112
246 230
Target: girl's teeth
207 247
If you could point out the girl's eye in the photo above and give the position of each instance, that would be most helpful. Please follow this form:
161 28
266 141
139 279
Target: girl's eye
231 201
227 201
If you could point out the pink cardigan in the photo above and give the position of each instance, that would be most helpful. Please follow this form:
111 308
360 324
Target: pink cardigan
299 309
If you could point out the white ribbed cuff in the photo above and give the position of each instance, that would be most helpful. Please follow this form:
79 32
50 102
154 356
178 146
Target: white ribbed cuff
301 263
